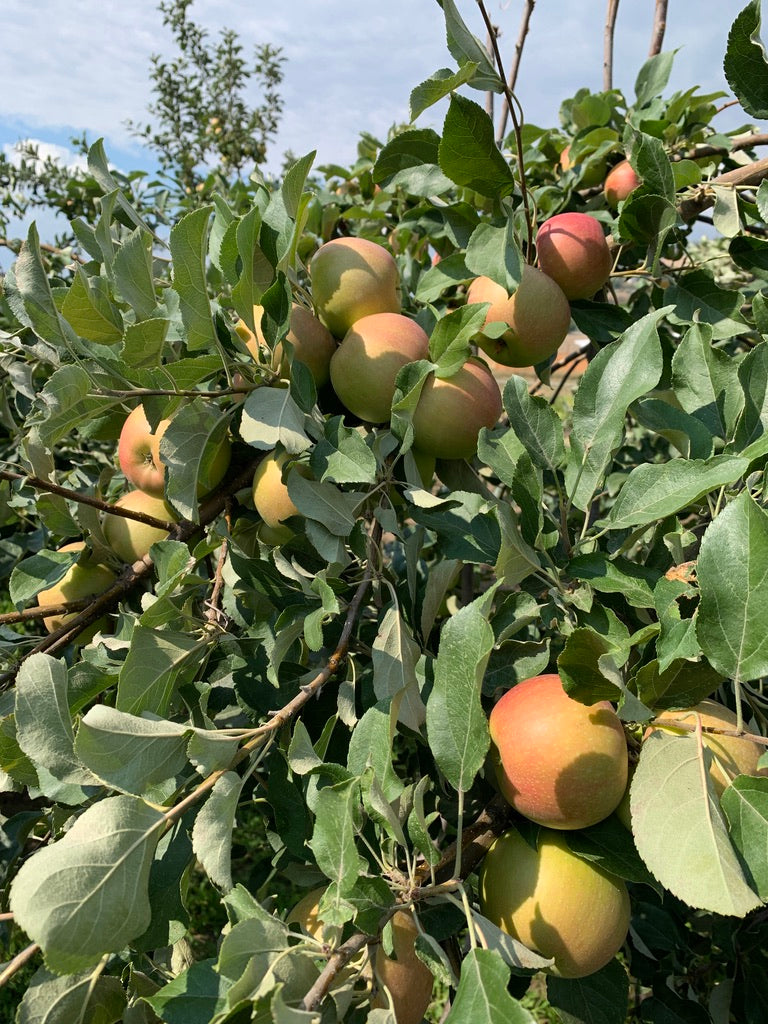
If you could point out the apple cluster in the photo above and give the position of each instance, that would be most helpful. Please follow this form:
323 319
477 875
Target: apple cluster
574 262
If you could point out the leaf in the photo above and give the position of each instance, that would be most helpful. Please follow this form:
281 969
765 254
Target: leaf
620 374
482 996
457 728
732 571
337 820
395 656
688 434
132 272
370 747
86 894
745 803
616 576
195 996
679 830
468 153
656 490
600 998
144 342
410 161
82 998
466 48
609 845
189 245
682 685
89 312
705 382
212 831
439 85
342 456
698 299
64 403
493 251
653 76
535 423
128 753
753 377
157 662
271 417
193 448
38 306
745 66
337 510
39 572
649 159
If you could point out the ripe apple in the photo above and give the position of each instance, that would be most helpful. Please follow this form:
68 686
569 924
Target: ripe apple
452 410
554 902
560 763
573 251
352 278
538 315
271 498
406 978
731 755
313 344
134 453
213 467
620 181
369 358
129 538
592 176
85 578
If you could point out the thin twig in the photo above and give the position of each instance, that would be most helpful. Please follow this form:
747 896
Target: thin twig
659 28
19 961
7 243
610 28
515 67
11 618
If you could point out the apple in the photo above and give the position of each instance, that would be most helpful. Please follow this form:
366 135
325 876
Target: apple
271 499
451 411
369 358
134 453
554 902
620 181
86 578
129 538
313 344
352 278
573 251
560 763
538 315
592 175
213 467
407 980
731 755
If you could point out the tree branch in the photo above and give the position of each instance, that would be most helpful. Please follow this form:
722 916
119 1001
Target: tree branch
659 28
515 68
18 962
608 33
752 174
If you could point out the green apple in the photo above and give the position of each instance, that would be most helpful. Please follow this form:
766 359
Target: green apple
573 251
538 315
560 763
451 411
731 755
366 363
619 182
86 578
352 278
129 538
557 904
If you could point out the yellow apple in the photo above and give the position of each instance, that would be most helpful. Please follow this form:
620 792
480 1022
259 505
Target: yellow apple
85 578
560 763
451 411
407 980
129 538
352 278
271 499
313 344
554 902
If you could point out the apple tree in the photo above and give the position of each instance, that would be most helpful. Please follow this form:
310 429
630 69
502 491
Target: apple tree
315 620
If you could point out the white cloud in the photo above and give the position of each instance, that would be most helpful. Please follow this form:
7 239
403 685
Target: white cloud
15 152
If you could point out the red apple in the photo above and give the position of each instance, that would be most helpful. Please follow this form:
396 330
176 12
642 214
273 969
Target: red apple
573 251
538 315
620 181
560 763
352 278
134 453
451 411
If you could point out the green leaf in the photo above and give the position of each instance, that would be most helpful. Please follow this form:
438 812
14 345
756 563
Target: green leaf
687 433
621 373
64 403
144 342
341 456
679 830
449 343
337 821
195 996
370 747
682 685
745 66
86 894
212 831
753 377
256 271
457 728
465 48
189 245
600 998
395 656
191 449
698 299
158 661
656 490
705 382
89 311
410 161
493 251
464 522
438 86
84 998
732 571
132 272
337 510
482 996
448 273
38 308
745 803
653 76
616 576
468 153
128 753
271 417
609 845
649 158
535 423
39 572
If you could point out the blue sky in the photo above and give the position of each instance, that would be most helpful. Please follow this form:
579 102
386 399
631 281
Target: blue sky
83 65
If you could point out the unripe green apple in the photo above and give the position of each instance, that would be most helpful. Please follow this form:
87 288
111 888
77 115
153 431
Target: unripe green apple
84 579
270 496
366 363
619 182
213 467
573 251
731 755
560 763
407 979
538 315
129 538
313 344
592 175
134 453
352 278
554 902
451 411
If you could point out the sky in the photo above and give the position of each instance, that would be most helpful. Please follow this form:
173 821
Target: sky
350 66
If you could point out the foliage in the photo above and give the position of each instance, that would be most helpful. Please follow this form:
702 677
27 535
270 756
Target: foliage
314 712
